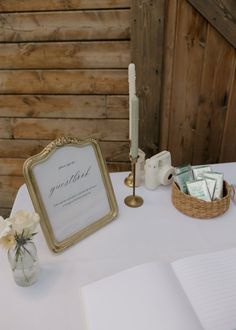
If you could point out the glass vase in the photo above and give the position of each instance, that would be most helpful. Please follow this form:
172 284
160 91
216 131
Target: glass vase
24 264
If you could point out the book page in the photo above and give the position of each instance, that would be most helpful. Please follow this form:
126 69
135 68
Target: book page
144 297
209 281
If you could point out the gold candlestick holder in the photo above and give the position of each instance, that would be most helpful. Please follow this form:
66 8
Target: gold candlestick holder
129 180
133 200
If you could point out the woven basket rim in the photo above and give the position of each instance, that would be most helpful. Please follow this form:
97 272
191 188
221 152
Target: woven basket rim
198 208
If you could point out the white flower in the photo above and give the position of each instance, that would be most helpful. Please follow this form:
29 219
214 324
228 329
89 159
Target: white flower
24 221
8 241
5 227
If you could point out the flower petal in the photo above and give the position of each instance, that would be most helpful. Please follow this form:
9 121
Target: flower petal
5 227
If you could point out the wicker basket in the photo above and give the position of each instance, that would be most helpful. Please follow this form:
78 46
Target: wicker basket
198 208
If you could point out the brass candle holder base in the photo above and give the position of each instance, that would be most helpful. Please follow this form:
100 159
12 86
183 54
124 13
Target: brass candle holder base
129 180
133 201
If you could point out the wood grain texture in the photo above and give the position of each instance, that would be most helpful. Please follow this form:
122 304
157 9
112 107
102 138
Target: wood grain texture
168 63
190 42
68 55
5 128
63 71
221 14
58 26
64 106
11 166
198 120
118 167
228 147
12 150
107 129
63 82
147 29
37 5
213 101
117 106
8 189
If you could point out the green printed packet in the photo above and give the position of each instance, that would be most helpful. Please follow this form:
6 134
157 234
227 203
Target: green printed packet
181 169
181 179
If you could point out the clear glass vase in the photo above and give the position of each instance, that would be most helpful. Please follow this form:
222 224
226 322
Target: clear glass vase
24 264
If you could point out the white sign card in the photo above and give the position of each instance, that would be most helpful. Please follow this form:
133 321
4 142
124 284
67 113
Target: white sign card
71 190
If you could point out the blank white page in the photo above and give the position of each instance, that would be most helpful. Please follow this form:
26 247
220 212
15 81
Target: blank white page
209 281
144 297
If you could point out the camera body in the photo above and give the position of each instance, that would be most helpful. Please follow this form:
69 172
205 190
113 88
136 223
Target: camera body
158 170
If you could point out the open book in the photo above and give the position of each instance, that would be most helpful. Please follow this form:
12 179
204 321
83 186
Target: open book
193 293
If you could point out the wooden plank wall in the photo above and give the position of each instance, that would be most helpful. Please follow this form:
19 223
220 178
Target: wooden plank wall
63 71
147 35
221 14
199 87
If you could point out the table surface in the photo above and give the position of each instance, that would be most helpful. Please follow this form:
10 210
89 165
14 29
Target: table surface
138 235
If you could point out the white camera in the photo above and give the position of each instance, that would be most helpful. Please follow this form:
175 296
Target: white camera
158 170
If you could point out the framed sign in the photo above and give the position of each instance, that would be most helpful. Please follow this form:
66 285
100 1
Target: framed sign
71 190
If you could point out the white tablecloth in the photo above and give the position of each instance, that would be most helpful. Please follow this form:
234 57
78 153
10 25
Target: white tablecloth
154 231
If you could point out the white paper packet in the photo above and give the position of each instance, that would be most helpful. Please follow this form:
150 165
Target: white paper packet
199 189
219 177
198 171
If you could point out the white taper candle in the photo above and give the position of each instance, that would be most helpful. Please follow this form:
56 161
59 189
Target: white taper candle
132 91
134 127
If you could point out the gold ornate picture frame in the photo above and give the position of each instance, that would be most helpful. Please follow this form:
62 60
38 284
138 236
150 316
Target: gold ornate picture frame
71 190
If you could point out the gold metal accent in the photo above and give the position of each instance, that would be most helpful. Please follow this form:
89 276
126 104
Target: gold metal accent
133 200
34 191
129 180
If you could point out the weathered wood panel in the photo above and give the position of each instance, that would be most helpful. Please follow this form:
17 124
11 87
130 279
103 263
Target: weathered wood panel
221 14
168 61
53 106
188 61
5 128
63 82
228 147
108 129
8 188
37 5
198 120
11 166
118 167
63 71
147 28
58 26
117 106
216 82
64 106
69 55
11 150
